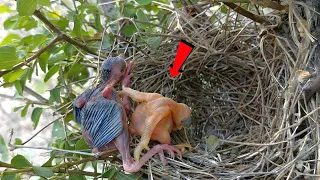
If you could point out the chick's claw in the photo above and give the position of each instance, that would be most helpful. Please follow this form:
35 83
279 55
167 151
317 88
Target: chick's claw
96 153
165 147
162 158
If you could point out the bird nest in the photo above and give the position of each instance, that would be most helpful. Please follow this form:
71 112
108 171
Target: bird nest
241 84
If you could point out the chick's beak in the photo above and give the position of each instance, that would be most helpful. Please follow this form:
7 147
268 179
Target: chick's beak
186 122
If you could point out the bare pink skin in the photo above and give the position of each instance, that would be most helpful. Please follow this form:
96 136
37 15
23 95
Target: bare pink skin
80 103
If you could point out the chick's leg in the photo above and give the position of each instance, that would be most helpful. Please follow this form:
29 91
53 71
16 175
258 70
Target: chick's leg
122 144
131 166
150 124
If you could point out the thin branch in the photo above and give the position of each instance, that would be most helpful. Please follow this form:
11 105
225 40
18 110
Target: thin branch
77 44
123 39
103 155
56 31
30 169
165 35
75 6
36 95
13 147
152 24
269 4
40 131
24 99
6 165
247 14
51 27
65 84
36 55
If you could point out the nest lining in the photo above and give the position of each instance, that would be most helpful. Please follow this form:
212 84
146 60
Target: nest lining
240 82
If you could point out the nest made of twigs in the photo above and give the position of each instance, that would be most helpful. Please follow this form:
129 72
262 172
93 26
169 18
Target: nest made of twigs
240 82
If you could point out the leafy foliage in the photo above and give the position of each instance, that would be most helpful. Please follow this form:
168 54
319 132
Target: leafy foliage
56 37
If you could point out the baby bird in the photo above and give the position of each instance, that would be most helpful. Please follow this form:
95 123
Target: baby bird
155 118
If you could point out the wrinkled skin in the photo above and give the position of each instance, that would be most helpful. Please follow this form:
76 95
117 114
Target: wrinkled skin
103 118
155 118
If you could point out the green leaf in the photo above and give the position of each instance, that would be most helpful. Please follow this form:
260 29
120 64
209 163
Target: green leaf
69 50
94 165
123 176
152 8
3 150
44 2
20 161
77 26
5 9
88 8
106 43
15 109
26 22
51 72
81 145
154 42
20 22
18 86
30 73
57 130
69 117
24 110
98 23
224 10
77 177
55 93
17 96
8 176
8 57
56 57
129 30
213 19
35 116
26 7
9 39
43 172
10 22
6 77
212 142
43 61
78 72
144 2
16 74
17 141
109 173
38 39
129 11
49 162
142 17
26 41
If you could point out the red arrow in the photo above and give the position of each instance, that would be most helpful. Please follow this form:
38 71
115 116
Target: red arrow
184 50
